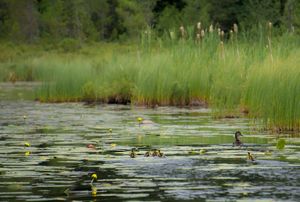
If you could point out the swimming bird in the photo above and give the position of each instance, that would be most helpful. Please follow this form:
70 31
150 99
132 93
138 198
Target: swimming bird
237 141
147 154
132 153
160 154
250 157
155 152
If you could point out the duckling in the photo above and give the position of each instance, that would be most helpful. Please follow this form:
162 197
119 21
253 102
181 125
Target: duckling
250 157
132 153
237 141
160 154
147 154
155 153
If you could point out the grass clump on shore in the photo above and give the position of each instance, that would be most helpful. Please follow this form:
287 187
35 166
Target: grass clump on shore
234 73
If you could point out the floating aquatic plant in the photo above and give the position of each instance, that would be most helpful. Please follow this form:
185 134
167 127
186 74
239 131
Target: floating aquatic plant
280 144
203 151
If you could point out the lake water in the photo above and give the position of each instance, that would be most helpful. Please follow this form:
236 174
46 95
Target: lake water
71 141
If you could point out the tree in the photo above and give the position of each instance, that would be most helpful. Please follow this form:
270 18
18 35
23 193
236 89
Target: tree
196 11
292 15
134 16
23 20
170 18
225 12
3 17
102 16
260 11
51 24
77 20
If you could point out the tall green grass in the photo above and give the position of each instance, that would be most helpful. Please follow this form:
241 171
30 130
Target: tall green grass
256 74
273 92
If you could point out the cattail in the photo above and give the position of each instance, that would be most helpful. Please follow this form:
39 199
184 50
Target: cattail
211 28
235 28
231 34
199 25
219 31
202 33
182 31
222 34
270 40
270 25
147 32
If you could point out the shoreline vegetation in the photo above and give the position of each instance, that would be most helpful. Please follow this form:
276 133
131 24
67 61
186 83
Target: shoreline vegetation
250 73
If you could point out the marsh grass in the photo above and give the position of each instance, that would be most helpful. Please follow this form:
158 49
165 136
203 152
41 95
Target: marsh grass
272 92
234 75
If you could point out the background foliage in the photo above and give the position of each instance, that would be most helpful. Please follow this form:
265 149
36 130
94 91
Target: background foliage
96 20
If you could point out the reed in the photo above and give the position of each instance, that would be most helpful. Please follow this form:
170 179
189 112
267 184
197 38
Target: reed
272 92
258 73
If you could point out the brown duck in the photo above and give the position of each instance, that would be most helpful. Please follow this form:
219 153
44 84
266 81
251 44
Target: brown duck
237 141
132 153
250 157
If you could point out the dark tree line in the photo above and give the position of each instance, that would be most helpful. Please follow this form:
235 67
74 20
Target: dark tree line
32 20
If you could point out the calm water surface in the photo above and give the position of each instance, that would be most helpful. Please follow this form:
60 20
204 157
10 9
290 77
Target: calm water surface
58 164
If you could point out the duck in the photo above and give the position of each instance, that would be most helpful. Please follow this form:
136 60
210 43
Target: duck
155 153
147 154
250 157
160 154
132 153
237 141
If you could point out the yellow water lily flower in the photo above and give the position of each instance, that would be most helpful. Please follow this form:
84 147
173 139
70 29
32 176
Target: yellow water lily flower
26 144
139 119
27 153
94 176
113 145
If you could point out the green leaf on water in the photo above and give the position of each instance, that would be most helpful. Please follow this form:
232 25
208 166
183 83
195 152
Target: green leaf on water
280 144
